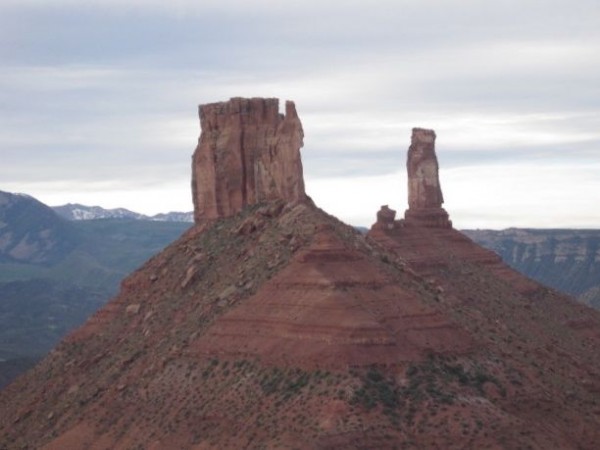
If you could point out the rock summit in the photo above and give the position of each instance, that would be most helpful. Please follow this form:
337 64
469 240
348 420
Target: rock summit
247 153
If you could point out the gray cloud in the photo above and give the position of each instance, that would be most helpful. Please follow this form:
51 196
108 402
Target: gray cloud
101 97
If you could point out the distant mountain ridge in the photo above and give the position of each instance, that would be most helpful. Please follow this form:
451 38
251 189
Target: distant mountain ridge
76 211
30 232
55 272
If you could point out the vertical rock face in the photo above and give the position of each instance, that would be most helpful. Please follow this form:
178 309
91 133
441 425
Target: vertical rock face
424 191
247 153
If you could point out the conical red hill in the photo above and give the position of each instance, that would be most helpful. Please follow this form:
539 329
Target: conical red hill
334 306
277 326
241 333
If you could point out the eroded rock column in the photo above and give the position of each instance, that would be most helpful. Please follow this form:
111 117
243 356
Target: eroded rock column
247 153
424 191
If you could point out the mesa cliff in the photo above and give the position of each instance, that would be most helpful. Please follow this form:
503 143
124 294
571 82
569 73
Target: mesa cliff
247 153
271 324
567 260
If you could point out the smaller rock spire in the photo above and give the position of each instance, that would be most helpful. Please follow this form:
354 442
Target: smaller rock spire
424 190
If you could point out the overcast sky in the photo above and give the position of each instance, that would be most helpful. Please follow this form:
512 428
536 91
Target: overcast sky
98 99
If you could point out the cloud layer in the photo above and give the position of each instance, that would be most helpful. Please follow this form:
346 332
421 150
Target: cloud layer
98 100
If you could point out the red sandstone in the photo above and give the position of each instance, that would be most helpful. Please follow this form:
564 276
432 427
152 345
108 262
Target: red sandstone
247 153
424 191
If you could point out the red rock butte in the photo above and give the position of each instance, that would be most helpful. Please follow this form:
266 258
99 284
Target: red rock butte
271 324
247 153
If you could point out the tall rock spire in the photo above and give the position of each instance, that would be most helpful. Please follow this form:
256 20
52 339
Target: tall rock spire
247 153
424 191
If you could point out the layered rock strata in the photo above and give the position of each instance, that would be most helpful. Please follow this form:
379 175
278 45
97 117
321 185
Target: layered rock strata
247 153
424 191
332 308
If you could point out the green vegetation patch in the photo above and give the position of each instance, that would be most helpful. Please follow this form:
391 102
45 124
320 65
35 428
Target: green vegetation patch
437 381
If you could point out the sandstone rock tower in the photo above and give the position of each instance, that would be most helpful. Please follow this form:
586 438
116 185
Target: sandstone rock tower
247 153
424 191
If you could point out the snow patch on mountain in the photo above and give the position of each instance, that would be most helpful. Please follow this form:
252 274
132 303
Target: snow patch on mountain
75 211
